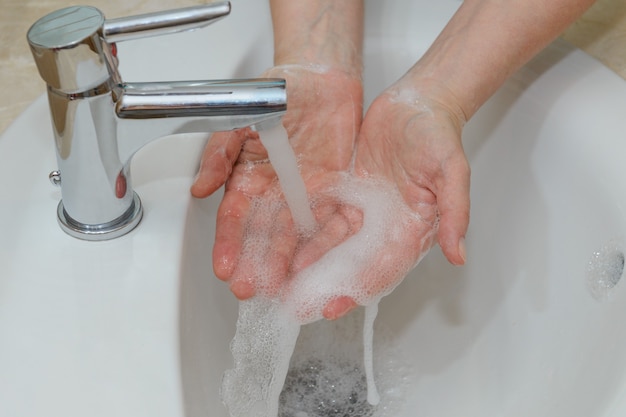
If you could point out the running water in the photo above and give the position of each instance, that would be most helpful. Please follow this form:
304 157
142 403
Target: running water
262 347
285 164
276 142
269 323
371 311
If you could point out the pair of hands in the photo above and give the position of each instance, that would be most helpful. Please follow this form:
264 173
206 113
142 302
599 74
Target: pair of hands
409 139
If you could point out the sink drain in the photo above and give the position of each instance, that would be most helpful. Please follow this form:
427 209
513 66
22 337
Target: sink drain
323 388
605 270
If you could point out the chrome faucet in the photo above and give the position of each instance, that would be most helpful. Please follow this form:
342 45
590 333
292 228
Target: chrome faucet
100 121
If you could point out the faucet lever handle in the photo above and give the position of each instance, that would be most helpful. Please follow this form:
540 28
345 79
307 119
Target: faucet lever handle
71 54
163 23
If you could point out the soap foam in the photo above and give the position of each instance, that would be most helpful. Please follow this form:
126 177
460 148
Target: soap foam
371 262
605 270
262 346
368 265
269 323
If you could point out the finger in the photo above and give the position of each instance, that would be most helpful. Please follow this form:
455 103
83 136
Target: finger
265 255
338 307
218 158
454 210
283 243
242 289
336 228
230 223
333 232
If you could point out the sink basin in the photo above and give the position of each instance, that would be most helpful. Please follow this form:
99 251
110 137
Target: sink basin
139 326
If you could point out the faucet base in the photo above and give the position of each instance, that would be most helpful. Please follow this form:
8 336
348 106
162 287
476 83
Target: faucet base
103 231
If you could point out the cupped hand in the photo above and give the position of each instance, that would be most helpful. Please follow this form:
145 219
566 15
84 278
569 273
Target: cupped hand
256 243
412 140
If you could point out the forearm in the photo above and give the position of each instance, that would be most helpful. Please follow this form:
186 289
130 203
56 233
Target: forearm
319 32
486 41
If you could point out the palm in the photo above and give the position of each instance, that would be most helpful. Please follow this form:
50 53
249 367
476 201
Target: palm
322 120
416 151
417 147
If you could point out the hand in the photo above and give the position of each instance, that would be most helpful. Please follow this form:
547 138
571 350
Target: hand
322 120
413 141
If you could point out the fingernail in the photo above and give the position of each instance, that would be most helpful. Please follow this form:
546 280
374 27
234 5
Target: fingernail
242 290
338 308
462 250
196 176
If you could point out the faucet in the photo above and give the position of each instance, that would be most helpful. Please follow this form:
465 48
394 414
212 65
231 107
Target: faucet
100 121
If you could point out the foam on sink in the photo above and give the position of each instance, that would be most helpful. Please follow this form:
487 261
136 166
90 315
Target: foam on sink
605 269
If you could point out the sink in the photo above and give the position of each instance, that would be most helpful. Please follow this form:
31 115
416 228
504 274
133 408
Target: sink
139 326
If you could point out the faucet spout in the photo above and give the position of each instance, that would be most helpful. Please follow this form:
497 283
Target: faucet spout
194 106
244 102
99 202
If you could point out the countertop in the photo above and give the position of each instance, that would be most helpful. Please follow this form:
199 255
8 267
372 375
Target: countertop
601 32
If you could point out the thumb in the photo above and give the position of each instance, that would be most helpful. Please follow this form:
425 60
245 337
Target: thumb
218 158
453 202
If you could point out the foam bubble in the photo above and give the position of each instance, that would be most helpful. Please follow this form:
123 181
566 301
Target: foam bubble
605 270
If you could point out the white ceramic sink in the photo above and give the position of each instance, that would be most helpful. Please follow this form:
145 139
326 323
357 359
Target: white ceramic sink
139 326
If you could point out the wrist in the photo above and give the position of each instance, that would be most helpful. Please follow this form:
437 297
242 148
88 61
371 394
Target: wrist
344 59
325 33
427 94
